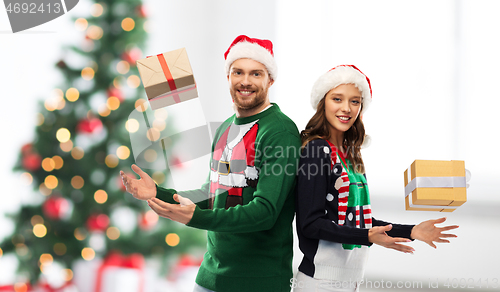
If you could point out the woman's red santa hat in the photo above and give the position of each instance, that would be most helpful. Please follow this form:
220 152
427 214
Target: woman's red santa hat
258 50
342 74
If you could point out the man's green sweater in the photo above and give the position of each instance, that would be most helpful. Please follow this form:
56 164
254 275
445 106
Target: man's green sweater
247 204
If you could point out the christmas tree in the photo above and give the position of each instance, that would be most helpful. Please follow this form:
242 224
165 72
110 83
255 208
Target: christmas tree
82 140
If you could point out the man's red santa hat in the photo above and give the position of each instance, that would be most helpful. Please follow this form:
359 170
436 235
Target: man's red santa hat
255 49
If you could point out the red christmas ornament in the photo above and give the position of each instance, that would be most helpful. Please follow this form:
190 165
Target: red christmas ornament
141 11
97 222
31 161
113 91
132 55
27 148
148 220
56 207
89 126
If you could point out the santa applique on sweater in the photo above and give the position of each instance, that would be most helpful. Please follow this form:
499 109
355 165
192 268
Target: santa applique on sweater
233 163
354 208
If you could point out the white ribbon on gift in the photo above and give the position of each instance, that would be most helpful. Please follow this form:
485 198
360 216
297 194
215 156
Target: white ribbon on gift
432 182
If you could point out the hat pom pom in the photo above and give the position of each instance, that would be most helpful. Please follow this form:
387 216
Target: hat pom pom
366 142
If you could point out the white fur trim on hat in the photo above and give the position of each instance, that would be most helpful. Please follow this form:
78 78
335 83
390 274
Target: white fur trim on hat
255 52
337 76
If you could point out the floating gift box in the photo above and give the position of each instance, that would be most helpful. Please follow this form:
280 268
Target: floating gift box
435 185
167 78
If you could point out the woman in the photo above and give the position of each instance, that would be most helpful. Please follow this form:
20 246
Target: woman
334 221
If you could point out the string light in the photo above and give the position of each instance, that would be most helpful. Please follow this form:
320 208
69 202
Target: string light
132 125
133 81
46 259
118 81
123 152
59 162
63 135
27 178
172 239
88 73
68 274
40 119
37 219
94 32
66 146
159 177
20 287
100 196
150 155
123 67
161 114
96 10
88 254
44 190
141 105
39 230
21 249
79 234
51 182
77 153
48 164
153 134
113 103
81 24
72 94
111 161
104 110
159 124
113 233
60 248
77 182
128 24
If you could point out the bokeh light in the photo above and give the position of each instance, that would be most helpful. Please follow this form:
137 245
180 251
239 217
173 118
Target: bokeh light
80 234
141 105
153 134
81 24
100 196
60 248
37 219
48 164
72 94
96 10
59 162
27 178
132 125
88 254
113 103
150 155
123 67
88 73
113 233
111 161
39 230
133 81
51 182
66 146
77 182
123 152
77 153
63 135
104 110
172 239
128 24
94 32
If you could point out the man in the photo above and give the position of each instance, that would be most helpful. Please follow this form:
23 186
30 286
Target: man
247 203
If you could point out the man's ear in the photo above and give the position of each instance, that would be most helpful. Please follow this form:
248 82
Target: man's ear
271 82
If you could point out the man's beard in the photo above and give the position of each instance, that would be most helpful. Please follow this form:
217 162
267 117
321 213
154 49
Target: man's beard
248 104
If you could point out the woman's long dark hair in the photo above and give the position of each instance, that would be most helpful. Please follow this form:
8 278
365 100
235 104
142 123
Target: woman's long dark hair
318 128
